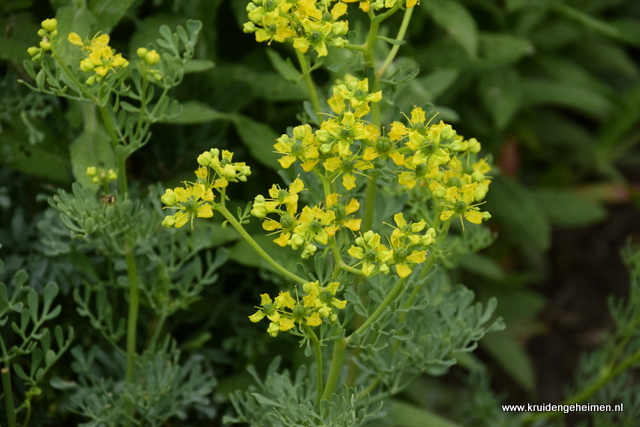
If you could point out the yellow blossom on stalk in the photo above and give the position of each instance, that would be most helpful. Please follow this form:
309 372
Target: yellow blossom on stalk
279 197
101 58
353 94
314 225
303 147
408 246
285 227
342 212
191 201
460 201
372 254
348 167
284 312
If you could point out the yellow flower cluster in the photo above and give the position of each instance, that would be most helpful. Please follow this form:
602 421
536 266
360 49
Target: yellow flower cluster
196 198
432 156
48 32
334 144
284 312
101 58
313 225
99 175
408 247
309 23
367 5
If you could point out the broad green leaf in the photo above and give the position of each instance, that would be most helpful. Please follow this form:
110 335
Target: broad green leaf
540 92
612 141
586 20
109 12
501 94
483 266
438 81
566 208
244 254
629 29
499 49
91 149
608 58
517 210
47 160
194 112
49 293
406 415
259 139
511 356
14 50
147 30
32 303
457 21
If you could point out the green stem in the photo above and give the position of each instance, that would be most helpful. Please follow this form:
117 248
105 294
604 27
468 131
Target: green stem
318 351
158 329
401 33
370 202
132 320
121 162
397 289
339 346
350 269
337 259
256 247
8 395
73 78
589 391
313 95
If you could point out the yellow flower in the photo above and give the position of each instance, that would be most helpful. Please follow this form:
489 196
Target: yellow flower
192 201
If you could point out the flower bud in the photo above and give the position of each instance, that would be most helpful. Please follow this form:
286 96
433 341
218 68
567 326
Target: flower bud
249 27
91 171
49 24
204 159
168 198
33 51
45 45
141 52
112 175
152 57
169 221
87 65
42 32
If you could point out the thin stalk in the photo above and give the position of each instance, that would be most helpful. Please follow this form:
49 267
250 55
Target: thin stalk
313 95
394 50
337 259
318 351
132 319
158 329
336 364
256 247
122 167
8 395
397 289
73 78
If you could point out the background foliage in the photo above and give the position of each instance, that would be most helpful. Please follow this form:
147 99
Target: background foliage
551 89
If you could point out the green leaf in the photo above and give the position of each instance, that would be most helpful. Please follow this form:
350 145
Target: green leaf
540 92
259 139
438 81
457 21
20 372
500 92
109 12
49 293
406 415
198 65
516 208
511 355
497 50
91 148
483 266
194 112
267 402
566 208
585 20
284 67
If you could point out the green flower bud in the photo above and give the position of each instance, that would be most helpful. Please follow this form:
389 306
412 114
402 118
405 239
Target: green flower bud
168 198
33 51
141 52
91 171
152 57
204 159
45 45
169 221
49 24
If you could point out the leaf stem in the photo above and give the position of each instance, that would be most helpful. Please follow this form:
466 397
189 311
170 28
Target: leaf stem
339 346
313 94
318 352
8 395
401 33
132 319
397 289
256 247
